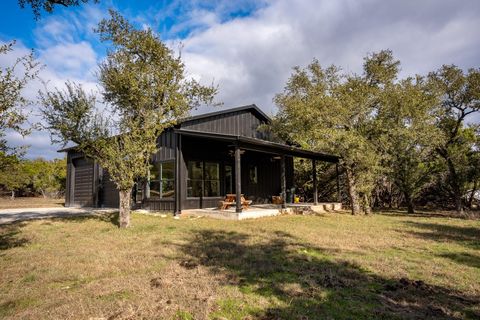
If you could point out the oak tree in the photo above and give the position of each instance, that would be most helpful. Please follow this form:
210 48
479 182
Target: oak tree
145 85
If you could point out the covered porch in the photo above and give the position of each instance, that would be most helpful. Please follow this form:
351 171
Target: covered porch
244 151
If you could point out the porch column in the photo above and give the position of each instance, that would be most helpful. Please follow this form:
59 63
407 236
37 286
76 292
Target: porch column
283 181
178 175
315 183
339 195
238 180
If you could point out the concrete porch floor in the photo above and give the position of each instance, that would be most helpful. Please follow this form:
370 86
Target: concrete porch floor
263 210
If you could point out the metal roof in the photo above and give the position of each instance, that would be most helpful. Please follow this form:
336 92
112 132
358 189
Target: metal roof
250 107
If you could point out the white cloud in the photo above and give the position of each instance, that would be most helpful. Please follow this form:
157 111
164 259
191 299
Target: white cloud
70 59
251 57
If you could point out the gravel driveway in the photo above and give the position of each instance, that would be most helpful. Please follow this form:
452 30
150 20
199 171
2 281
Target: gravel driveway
12 215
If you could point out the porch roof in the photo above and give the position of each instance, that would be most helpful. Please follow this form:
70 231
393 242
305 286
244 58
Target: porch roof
261 145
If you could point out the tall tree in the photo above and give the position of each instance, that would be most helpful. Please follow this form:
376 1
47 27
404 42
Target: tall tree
146 86
407 135
49 5
13 80
324 109
460 97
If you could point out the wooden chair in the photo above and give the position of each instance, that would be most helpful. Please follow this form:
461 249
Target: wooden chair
230 200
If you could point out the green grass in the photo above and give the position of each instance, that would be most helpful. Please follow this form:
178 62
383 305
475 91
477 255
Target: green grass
334 266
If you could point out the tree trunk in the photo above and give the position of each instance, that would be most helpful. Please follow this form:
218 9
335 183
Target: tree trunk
472 195
454 183
409 201
352 192
124 214
367 207
12 196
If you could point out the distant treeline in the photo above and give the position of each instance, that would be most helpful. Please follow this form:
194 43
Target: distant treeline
38 177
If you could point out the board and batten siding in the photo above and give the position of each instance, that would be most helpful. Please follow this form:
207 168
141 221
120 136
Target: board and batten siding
240 123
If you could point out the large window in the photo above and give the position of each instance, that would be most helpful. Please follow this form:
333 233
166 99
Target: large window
161 179
203 179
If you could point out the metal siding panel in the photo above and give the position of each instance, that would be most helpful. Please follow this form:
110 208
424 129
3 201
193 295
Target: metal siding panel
83 182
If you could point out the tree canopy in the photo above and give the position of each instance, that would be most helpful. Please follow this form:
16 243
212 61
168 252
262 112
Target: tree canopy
145 87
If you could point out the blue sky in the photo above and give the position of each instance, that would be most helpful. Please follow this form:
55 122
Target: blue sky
247 48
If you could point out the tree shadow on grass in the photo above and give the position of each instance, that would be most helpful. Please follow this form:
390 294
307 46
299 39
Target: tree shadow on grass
466 236
302 282
424 213
463 258
10 236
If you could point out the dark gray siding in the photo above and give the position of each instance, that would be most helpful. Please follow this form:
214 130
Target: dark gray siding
109 197
83 184
166 146
242 123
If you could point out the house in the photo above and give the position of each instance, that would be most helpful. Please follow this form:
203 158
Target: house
199 161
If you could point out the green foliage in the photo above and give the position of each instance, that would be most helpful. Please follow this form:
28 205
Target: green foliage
13 79
386 130
49 5
38 177
324 109
145 87
460 97
407 135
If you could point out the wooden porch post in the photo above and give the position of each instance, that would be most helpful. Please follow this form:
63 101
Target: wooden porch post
283 181
178 175
315 183
238 180
339 196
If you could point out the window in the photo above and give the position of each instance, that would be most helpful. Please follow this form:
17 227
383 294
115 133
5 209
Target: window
203 179
162 180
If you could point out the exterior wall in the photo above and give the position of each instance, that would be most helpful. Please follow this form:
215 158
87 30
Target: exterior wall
167 143
182 149
108 194
241 123
81 185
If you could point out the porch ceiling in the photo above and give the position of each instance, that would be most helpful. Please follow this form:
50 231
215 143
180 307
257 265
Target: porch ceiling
261 145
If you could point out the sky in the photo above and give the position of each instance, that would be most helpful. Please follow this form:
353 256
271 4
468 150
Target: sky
247 48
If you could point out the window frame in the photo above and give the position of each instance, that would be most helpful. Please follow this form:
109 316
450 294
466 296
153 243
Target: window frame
160 180
203 180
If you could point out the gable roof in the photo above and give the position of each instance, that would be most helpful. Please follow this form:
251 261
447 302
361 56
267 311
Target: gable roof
251 107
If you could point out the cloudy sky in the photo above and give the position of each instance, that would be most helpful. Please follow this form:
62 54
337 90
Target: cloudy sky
247 48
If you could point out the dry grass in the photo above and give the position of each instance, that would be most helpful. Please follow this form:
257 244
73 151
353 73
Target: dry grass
30 202
291 267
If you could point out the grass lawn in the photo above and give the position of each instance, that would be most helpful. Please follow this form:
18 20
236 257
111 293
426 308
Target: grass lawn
334 266
30 202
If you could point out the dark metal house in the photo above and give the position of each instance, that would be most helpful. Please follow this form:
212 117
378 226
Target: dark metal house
198 162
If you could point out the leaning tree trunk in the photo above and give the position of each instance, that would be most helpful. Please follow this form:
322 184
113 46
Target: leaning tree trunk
12 195
352 191
124 214
409 201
